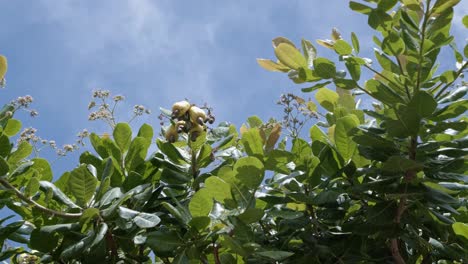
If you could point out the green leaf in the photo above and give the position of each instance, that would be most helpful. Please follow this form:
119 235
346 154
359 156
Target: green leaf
465 51
146 131
218 189
383 93
400 164
442 5
136 153
290 56
58 194
254 121
32 187
141 219
310 53
386 5
251 215
163 241
76 249
270 65
3 66
379 20
42 241
177 212
346 83
200 223
452 110
275 255
4 167
454 95
96 142
342 47
82 185
122 136
253 143
249 172
358 7
327 98
12 127
5 146
102 231
355 42
393 44
42 167
386 62
465 21
277 161
278 40
172 152
346 147
324 68
60 228
315 87
448 76
316 134
423 103
23 151
201 203
87 217
460 229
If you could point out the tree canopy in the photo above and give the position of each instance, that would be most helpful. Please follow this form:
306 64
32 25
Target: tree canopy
381 183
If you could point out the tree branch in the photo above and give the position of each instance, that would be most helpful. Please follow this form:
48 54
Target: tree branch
42 208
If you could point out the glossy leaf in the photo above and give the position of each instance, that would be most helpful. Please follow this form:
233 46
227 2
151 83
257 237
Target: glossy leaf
137 152
58 193
82 185
123 136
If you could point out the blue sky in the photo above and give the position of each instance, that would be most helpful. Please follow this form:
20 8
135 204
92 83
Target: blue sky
158 52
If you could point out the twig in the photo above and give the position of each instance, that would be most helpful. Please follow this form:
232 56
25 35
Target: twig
216 254
42 208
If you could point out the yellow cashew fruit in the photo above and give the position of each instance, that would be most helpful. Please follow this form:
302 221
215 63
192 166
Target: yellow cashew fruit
180 108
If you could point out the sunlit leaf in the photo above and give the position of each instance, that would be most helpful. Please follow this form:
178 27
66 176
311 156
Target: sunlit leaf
342 47
343 141
460 229
290 56
393 44
253 143
123 136
12 128
249 171
272 66
327 98
324 68
3 66
358 7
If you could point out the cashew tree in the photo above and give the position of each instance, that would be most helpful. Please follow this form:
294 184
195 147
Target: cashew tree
381 177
